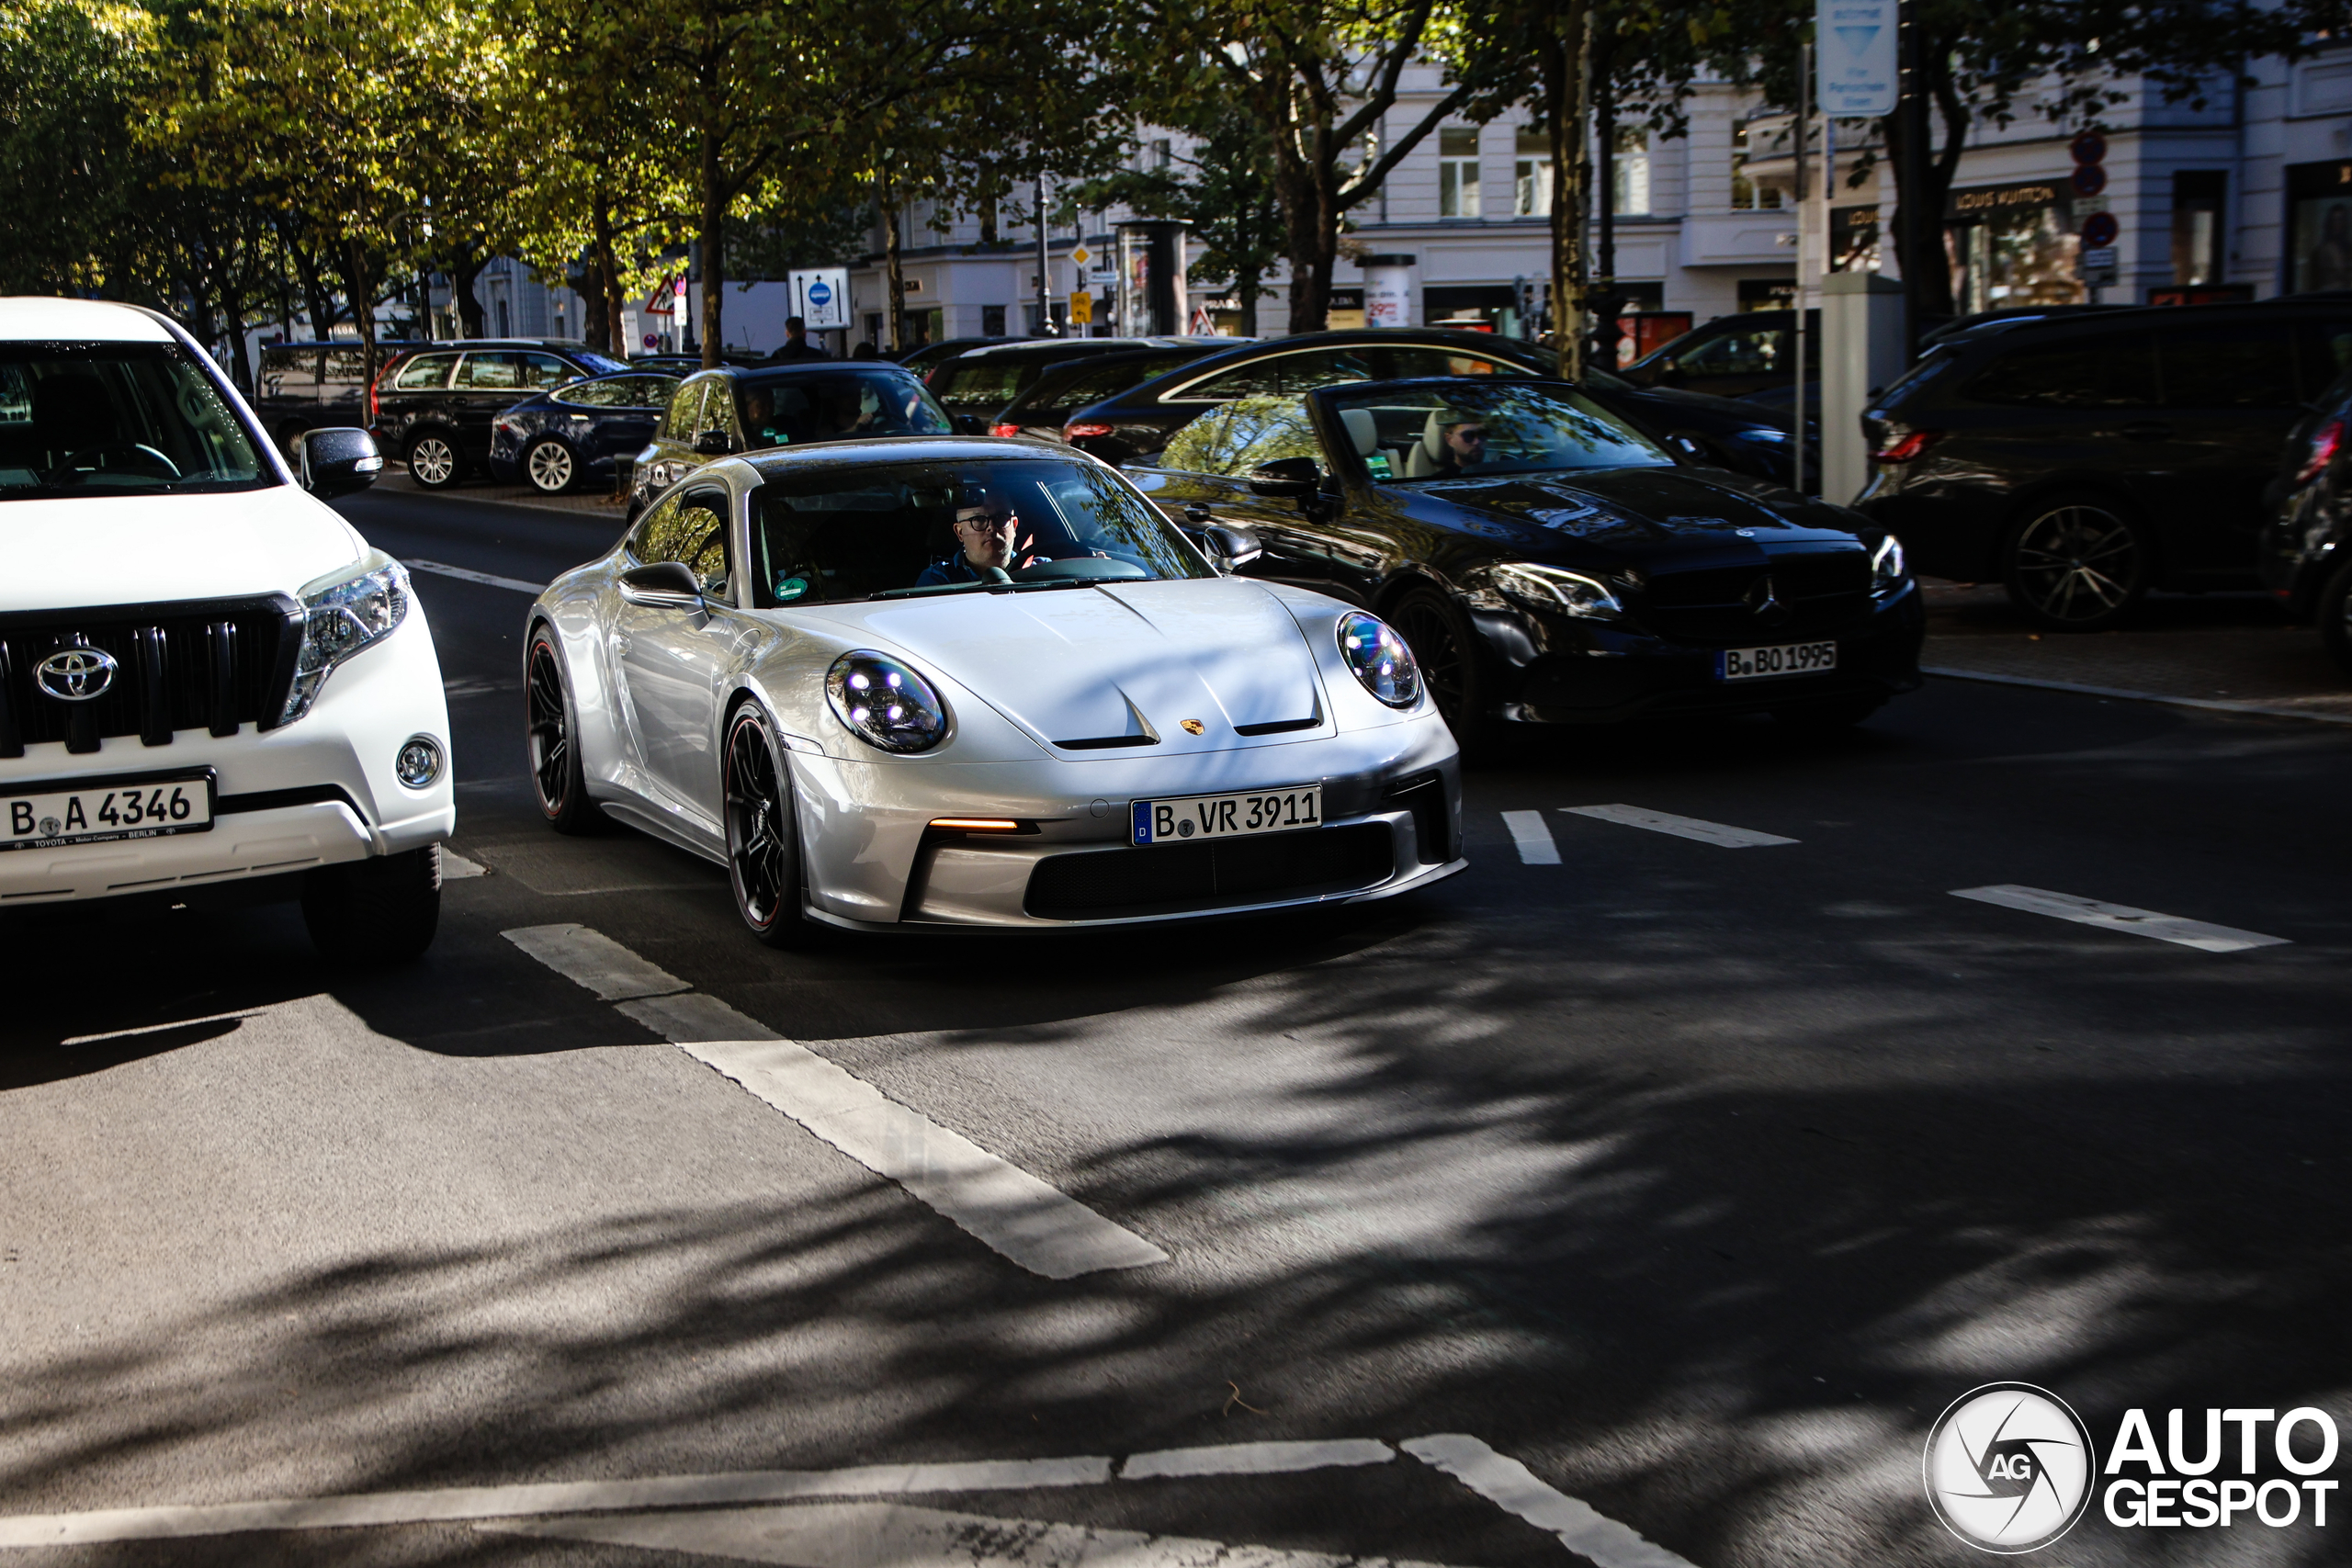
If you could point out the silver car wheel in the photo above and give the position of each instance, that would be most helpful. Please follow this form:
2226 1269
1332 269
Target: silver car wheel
550 467
432 461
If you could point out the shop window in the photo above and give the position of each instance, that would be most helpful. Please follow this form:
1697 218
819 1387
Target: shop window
1746 193
991 321
1532 175
1633 171
2319 211
1457 172
2197 196
2018 253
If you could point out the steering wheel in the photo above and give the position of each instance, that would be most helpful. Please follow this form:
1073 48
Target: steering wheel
140 455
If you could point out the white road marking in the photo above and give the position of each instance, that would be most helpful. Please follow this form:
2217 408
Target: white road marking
2265 710
1533 838
1256 1458
1041 1228
2122 917
894 1535
353 1510
1512 1487
1680 827
462 575
1037 1225
456 867
159 1028
591 958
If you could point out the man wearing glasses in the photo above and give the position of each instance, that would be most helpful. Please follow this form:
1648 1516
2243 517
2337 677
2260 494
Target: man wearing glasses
985 530
1465 447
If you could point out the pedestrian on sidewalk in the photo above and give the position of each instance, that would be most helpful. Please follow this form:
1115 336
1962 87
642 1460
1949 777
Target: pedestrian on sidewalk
797 346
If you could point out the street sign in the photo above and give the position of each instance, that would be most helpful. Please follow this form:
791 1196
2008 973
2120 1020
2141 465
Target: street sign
1080 256
2090 147
1854 55
820 296
2088 179
1081 309
2099 230
2096 266
653 340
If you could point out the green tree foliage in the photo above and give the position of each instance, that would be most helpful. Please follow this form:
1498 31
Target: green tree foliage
1222 188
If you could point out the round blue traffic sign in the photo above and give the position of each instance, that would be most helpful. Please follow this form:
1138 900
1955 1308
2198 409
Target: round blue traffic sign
2099 230
652 340
2090 147
2089 179
820 294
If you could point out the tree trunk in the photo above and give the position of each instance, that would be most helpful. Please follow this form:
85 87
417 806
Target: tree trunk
466 268
1247 287
359 288
1566 61
1606 302
608 276
894 278
1309 250
318 299
714 252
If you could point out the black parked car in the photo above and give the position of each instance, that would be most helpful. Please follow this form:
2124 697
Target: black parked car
716 412
2306 555
1733 356
924 358
1134 425
315 386
1056 394
977 384
435 406
2085 461
1545 561
675 365
578 430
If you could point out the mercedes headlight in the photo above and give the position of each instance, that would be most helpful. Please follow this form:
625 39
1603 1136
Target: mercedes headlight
885 703
1886 566
343 613
1382 665
1551 587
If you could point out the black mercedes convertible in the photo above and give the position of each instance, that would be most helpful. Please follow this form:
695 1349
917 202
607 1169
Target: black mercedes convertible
1546 562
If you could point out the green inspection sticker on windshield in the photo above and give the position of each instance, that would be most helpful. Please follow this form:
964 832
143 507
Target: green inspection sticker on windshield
1378 463
790 588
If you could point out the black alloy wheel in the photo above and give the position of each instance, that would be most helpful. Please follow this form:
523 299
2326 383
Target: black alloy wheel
432 461
763 849
2335 616
549 466
1447 650
2077 565
550 728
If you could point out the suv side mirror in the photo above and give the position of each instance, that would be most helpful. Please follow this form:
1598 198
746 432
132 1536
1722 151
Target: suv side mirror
714 444
663 585
339 460
1297 478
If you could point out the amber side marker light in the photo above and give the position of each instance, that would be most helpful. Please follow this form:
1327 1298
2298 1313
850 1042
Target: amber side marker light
977 824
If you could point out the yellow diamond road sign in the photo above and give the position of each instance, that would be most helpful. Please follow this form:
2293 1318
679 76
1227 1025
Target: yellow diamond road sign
1079 255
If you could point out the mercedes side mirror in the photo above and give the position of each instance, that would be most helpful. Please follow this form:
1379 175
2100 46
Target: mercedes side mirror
1296 478
337 461
714 444
664 585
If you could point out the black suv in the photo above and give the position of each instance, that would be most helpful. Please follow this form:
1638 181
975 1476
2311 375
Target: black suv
435 406
2084 460
315 386
980 382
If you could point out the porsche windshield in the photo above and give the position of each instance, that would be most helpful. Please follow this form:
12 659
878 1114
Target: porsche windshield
114 418
1464 430
919 528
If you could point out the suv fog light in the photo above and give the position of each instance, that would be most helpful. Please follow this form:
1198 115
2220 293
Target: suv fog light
419 762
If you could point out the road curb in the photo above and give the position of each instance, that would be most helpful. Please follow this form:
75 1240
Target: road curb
2215 705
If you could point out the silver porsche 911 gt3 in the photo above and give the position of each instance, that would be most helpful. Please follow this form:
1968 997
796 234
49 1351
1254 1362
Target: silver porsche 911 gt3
923 682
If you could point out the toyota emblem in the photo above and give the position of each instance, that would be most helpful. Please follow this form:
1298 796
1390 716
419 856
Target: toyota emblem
75 674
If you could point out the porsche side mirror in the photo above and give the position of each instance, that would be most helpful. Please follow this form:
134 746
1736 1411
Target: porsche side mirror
714 444
1296 478
1227 548
336 461
663 585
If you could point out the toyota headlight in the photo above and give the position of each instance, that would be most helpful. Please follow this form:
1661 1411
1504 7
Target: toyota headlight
1381 663
1886 566
885 703
1557 590
344 612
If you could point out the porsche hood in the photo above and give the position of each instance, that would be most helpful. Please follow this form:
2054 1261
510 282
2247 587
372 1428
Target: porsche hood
1113 666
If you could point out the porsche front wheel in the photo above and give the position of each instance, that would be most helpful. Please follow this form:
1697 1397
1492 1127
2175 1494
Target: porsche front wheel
763 849
552 735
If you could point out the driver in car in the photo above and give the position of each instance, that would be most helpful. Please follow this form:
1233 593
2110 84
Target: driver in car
1465 447
986 528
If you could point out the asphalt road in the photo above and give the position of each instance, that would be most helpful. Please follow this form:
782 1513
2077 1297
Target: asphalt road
1698 1179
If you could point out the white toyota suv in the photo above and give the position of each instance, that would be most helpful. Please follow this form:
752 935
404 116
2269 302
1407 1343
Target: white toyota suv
212 690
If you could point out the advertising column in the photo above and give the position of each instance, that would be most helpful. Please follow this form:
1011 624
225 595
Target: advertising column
1388 290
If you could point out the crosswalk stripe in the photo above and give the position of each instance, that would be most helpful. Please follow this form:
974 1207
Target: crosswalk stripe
1511 1485
591 958
1716 833
2121 918
1534 837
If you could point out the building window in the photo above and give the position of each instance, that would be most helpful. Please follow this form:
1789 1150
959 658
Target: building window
2197 225
1531 176
991 321
1633 168
1744 192
1457 172
1163 152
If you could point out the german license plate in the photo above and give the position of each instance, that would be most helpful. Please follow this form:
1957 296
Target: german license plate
1788 658
105 810
1228 816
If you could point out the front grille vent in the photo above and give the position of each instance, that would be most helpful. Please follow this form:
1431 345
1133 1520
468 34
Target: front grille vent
1098 885
1812 595
184 664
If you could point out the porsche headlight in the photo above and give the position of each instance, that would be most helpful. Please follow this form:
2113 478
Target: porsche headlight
1557 590
341 614
1382 662
885 703
1886 566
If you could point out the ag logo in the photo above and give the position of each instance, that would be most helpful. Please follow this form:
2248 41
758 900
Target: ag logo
2008 1467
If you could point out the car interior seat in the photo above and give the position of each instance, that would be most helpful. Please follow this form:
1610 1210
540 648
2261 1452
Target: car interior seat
72 413
1427 456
